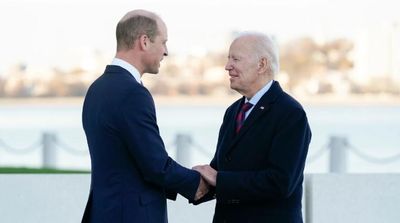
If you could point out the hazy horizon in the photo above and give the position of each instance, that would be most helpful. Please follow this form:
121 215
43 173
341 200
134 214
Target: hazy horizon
61 33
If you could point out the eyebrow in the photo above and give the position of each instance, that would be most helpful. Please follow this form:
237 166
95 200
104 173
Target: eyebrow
235 56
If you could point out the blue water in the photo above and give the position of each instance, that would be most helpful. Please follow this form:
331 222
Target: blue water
373 130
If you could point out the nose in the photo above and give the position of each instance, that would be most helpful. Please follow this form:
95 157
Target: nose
228 66
166 51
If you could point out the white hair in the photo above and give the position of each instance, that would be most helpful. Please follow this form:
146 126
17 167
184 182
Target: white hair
265 46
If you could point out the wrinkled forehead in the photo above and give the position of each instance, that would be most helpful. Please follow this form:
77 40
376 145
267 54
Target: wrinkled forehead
241 46
245 40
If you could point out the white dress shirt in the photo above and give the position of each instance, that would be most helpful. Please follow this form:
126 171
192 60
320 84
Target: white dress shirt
127 66
254 100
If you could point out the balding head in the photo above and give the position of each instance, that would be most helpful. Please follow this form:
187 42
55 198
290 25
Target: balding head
134 24
139 12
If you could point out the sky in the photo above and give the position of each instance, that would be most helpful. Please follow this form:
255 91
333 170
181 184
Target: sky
60 33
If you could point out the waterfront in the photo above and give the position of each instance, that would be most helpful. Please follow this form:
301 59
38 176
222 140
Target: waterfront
372 129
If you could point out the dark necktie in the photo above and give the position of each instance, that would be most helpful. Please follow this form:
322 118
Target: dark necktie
241 115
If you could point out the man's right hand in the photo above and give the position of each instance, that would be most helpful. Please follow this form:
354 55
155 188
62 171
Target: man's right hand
202 189
208 174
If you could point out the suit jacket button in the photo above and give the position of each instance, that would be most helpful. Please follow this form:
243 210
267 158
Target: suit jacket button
228 158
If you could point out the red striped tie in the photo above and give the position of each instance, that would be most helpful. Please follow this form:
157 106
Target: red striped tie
241 115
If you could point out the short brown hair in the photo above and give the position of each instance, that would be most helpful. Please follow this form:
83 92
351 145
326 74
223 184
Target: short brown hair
132 28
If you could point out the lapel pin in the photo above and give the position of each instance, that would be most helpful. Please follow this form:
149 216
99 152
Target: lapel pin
262 107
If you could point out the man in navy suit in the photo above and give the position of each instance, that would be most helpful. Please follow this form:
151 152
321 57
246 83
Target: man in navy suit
132 174
257 170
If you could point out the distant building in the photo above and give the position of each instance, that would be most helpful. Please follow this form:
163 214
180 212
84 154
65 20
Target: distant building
377 52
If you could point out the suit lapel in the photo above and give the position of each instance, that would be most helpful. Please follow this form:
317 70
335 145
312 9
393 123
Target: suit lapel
260 109
229 133
231 128
257 112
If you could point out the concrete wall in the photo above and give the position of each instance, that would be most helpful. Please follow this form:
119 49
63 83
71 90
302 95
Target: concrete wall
43 198
353 198
61 198
329 198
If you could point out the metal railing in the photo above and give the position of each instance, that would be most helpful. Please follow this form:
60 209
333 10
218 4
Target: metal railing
337 146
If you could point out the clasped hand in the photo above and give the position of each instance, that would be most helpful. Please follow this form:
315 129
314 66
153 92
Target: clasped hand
208 178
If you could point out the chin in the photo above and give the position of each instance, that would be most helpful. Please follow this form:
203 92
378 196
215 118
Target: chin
154 71
234 83
233 87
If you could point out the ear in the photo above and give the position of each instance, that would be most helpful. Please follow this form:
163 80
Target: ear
262 65
144 42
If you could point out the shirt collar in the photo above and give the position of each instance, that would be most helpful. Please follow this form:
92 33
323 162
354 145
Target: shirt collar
254 100
127 66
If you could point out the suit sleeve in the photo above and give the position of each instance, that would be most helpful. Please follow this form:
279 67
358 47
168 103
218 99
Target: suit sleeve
211 194
213 162
286 164
146 147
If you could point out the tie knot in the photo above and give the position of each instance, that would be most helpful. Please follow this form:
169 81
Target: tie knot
246 106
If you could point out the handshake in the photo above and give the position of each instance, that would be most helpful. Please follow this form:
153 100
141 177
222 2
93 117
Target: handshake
208 178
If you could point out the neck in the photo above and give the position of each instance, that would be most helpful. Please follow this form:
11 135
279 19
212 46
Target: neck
132 60
257 87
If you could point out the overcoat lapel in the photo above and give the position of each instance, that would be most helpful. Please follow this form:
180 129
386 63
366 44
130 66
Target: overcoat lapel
231 134
260 109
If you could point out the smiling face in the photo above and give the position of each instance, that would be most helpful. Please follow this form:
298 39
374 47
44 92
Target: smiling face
157 49
243 67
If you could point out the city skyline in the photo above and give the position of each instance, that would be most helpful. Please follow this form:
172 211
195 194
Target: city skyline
64 33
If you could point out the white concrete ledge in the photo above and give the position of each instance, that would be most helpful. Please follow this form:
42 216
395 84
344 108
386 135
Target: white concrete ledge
349 198
329 198
44 198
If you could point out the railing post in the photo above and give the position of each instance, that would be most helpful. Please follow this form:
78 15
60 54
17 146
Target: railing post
338 154
183 150
49 153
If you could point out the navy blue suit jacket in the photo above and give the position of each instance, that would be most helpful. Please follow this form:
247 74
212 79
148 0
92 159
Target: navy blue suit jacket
260 169
132 173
